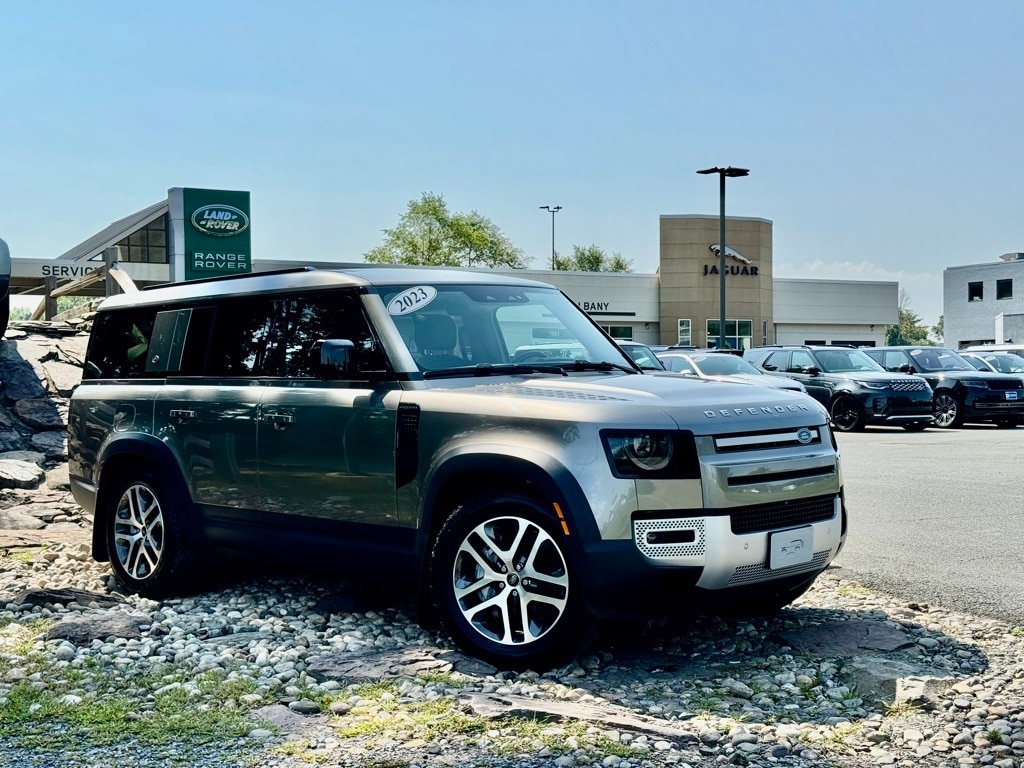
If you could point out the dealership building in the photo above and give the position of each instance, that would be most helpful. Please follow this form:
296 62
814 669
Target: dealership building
984 303
199 233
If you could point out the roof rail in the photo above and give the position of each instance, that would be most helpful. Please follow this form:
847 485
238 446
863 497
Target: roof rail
218 278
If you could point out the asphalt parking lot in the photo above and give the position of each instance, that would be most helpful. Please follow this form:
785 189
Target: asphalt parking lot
937 516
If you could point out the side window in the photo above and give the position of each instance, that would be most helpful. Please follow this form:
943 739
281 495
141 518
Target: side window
316 317
776 361
893 360
119 344
241 342
278 337
801 360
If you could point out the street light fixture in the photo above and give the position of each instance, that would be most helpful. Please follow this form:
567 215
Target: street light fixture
722 173
554 209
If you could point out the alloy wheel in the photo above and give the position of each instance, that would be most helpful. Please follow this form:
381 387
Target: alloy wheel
510 580
139 532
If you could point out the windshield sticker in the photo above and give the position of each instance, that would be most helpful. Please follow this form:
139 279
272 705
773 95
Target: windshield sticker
411 300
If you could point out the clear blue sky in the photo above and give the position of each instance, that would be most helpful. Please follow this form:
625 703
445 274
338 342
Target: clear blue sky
883 138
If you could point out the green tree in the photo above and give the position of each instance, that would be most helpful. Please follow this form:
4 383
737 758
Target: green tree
908 329
429 234
938 330
592 259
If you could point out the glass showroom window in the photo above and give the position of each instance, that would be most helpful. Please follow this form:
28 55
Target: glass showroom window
1004 289
619 332
975 292
683 337
737 333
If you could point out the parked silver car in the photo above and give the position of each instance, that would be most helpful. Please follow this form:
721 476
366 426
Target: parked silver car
476 437
723 366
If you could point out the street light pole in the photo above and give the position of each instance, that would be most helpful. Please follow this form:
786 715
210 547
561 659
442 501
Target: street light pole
554 209
722 173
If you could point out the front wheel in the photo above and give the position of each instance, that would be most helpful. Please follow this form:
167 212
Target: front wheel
504 583
947 412
145 542
847 414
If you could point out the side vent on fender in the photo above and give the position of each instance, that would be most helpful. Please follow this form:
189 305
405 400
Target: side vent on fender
407 444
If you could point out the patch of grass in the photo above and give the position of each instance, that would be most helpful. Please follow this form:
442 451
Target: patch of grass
1017 631
26 555
29 716
853 590
439 678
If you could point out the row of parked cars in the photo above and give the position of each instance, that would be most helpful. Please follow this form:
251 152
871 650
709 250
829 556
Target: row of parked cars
909 386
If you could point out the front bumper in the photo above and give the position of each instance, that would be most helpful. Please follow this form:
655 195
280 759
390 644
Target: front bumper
898 409
674 556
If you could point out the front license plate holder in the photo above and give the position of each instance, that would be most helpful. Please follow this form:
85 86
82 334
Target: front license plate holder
792 547
1011 395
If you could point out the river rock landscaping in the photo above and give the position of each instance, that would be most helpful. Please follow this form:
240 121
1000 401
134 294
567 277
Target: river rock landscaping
286 670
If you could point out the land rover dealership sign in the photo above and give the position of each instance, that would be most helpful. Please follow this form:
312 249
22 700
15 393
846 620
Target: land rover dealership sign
213 225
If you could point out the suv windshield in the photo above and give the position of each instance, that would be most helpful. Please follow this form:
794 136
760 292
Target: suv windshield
844 361
723 365
939 359
448 327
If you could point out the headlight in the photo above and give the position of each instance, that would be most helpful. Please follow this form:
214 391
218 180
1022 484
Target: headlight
975 384
652 454
872 384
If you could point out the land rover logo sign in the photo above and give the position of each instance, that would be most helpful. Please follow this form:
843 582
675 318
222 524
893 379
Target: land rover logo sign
220 220
804 436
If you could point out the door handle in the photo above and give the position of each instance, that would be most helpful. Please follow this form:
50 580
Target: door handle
279 420
181 414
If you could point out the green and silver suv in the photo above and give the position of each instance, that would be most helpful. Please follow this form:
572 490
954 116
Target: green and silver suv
402 424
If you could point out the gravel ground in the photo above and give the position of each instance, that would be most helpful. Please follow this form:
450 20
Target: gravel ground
286 671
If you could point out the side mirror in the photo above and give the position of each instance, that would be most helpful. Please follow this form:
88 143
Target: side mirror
906 369
811 370
335 358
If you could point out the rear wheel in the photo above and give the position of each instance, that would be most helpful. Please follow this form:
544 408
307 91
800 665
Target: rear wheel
505 586
847 414
947 411
145 542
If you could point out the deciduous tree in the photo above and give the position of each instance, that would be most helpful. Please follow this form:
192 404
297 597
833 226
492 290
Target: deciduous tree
428 234
592 259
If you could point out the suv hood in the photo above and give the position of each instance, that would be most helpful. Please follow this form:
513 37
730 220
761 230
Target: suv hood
690 402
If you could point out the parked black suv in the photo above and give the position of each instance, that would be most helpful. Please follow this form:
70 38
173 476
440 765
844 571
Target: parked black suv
856 390
961 392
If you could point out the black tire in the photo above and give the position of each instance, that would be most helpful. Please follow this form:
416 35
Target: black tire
847 414
5 314
536 617
146 543
947 410
917 426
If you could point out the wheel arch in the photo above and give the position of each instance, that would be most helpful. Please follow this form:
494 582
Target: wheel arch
465 473
118 454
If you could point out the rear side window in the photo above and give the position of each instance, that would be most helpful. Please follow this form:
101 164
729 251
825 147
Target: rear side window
119 344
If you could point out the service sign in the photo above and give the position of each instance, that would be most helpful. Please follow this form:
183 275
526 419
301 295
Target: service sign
217 235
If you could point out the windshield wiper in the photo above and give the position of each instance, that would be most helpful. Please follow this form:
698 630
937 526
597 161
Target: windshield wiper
490 369
600 365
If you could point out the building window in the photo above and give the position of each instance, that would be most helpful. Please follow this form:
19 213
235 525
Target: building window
683 338
619 332
1004 289
975 292
147 245
737 333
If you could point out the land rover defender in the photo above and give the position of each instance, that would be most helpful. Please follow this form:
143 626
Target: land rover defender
379 422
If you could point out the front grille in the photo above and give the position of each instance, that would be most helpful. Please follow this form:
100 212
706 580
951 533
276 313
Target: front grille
752 574
908 385
1004 384
757 441
782 514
